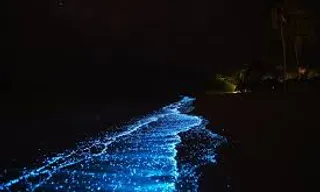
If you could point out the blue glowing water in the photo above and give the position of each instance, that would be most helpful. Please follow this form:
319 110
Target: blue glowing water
159 152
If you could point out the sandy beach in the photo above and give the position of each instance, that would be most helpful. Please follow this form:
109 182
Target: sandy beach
273 141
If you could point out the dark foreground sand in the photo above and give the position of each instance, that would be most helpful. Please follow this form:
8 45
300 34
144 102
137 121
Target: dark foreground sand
274 141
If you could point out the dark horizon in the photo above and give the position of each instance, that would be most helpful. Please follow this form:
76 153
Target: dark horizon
128 45
117 48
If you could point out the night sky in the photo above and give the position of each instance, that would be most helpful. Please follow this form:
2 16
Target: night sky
119 47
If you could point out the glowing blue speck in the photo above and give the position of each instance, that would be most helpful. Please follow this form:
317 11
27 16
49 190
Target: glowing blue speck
159 152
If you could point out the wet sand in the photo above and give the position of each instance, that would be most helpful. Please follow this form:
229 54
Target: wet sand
273 141
273 137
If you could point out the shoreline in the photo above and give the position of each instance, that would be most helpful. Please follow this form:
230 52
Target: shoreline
271 140
32 128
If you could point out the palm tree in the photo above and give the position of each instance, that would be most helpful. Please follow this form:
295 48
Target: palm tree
296 28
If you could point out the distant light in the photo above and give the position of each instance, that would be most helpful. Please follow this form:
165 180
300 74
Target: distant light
60 3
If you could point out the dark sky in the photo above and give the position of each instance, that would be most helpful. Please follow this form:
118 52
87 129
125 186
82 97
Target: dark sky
131 45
